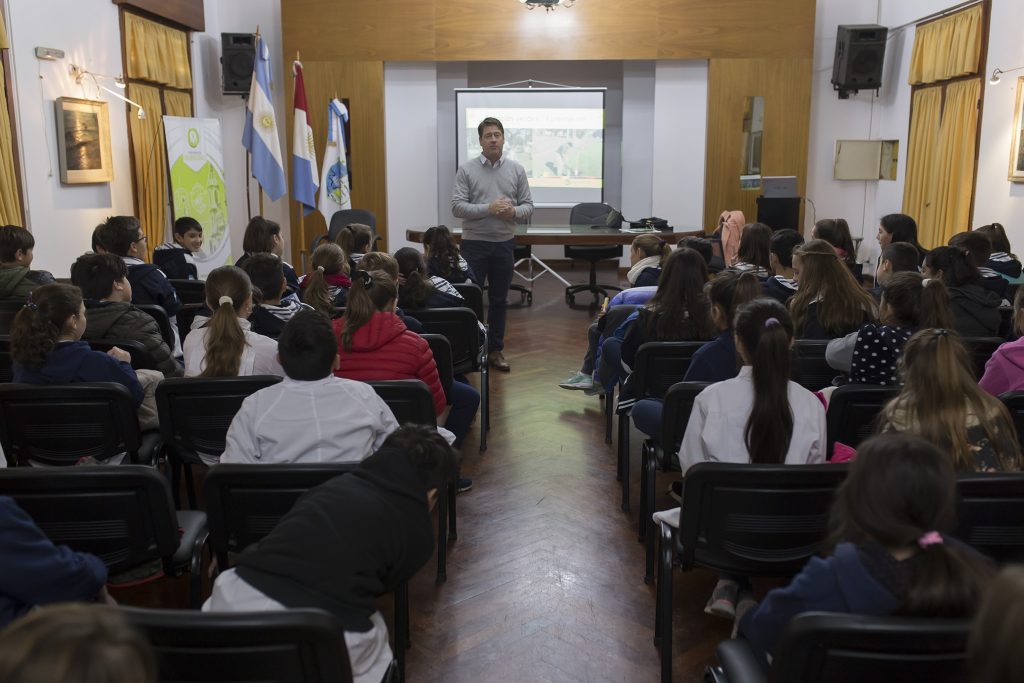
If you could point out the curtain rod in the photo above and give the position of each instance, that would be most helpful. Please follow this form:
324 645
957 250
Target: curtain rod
936 15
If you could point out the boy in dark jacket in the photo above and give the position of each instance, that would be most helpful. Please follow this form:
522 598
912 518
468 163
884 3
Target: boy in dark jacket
16 280
348 541
781 286
103 279
175 258
271 311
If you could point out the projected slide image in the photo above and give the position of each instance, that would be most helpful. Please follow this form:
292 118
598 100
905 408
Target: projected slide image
559 148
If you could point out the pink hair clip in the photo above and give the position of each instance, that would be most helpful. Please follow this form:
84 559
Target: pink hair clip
930 538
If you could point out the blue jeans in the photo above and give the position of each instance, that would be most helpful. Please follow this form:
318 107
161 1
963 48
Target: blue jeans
646 415
492 263
465 400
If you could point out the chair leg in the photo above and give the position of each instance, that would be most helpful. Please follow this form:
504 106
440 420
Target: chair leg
624 458
453 531
664 630
195 570
609 409
485 405
442 535
646 487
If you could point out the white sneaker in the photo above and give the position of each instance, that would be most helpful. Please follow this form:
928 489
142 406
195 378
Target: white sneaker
578 381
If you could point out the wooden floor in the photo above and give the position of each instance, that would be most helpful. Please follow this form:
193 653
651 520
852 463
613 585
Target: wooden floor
545 582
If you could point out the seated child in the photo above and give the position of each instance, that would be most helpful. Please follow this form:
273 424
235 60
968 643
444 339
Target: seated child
420 290
326 286
443 258
647 255
103 279
263 236
979 249
1004 371
16 280
224 345
1000 260
312 416
830 302
782 286
754 249
893 555
271 311
975 307
701 245
993 653
355 240
897 257
836 231
175 258
380 260
123 237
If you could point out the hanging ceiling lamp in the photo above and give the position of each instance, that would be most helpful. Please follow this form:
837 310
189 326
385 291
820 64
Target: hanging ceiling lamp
548 5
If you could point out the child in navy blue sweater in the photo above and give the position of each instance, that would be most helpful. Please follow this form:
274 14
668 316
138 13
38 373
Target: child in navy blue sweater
176 258
891 556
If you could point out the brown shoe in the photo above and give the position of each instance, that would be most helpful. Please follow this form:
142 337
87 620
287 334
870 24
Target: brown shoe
497 361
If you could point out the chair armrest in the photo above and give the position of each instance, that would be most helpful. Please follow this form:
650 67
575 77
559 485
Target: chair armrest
739 663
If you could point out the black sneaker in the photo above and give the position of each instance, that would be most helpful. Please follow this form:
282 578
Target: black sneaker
465 484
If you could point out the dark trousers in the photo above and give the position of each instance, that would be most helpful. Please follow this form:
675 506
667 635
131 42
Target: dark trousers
465 402
492 262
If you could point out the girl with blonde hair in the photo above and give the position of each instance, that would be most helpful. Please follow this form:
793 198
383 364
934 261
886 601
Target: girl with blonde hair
829 302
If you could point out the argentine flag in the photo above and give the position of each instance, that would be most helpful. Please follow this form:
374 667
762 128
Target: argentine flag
334 192
304 178
260 134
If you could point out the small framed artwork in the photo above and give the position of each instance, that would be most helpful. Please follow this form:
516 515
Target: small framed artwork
83 141
1017 150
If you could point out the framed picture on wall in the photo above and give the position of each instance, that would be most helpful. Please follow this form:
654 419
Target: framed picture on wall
83 141
1017 149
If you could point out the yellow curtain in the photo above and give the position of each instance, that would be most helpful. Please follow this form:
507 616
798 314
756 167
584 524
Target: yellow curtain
150 157
177 103
156 53
947 48
10 205
958 139
922 151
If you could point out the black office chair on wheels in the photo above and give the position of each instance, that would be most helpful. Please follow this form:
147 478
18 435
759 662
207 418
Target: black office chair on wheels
592 213
524 252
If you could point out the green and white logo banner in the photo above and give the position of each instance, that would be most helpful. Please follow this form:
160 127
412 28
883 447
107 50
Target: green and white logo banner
197 184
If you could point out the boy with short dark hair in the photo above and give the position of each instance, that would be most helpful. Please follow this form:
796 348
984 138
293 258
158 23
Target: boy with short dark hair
16 280
271 311
782 286
103 279
123 236
176 258
311 416
897 257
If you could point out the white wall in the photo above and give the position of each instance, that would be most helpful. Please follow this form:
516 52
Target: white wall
680 139
62 217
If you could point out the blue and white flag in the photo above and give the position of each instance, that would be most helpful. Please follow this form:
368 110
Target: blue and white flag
334 192
304 178
260 134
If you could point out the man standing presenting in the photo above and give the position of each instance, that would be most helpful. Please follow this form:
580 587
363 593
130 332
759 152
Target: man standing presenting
491 195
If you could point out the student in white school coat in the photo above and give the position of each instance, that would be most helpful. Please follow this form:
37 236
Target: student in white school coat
311 416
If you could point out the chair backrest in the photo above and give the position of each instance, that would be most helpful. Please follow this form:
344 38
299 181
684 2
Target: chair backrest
852 411
980 350
675 413
659 365
190 291
195 413
163 321
342 218
141 358
1014 402
474 297
820 647
124 515
185 316
244 647
245 502
61 423
591 213
615 316
409 399
990 514
442 351
459 326
6 360
9 309
746 519
809 368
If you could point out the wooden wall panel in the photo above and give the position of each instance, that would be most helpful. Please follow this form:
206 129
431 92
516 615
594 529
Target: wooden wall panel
786 86
384 30
362 83
187 13
735 28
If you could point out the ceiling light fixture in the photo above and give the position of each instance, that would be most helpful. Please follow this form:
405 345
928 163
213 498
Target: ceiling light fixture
997 74
80 73
548 5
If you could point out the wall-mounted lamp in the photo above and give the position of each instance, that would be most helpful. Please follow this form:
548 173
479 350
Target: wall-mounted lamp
997 73
80 73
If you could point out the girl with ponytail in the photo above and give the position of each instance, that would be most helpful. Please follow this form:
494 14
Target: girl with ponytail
829 302
443 257
326 286
891 552
418 290
374 344
975 309
836 231
910 302
355 240
647 257
760 416
224 345
941 402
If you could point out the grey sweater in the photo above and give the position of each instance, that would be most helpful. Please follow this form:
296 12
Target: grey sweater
477 184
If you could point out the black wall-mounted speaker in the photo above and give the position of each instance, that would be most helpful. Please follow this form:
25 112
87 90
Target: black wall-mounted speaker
860 53
237 57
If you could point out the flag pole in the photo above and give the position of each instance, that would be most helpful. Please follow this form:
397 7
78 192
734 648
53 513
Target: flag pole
302 212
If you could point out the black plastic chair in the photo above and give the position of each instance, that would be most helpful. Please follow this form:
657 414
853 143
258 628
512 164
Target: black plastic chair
442 351
981 349
342 218
163 321
660 454
59 424
141 358
123 515
195 414
474 297
990 514
469 351
809 368
9 309
524 252
743 519
852 413
821 647
658 366
6 360
244 647
185 316
592 213
190 291
1014 402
